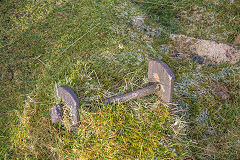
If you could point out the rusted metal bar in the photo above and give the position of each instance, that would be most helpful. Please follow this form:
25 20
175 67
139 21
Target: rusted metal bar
160 78
133 95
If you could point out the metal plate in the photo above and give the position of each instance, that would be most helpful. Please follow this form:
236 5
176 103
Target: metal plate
159 71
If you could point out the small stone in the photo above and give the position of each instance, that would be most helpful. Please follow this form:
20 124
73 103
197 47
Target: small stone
5 38
197 59
238 143
237 40
139 21
220 91
56 113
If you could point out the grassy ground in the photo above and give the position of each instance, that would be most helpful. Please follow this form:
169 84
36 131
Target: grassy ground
96 48
212 121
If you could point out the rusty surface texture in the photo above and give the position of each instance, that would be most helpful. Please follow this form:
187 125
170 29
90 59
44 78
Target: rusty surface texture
159 72
161 79
56 113
133 95
69 98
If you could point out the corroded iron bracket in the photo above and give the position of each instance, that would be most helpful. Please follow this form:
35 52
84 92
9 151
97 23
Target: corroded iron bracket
160 78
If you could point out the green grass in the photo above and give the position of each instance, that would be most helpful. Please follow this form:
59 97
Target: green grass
212 123
95 48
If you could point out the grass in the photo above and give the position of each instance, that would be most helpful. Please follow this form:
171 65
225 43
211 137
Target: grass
212 122
95 48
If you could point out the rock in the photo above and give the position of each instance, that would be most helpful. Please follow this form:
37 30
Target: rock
220 91
197 59
237 40
238 143
56 113
5 38
139 21
211 51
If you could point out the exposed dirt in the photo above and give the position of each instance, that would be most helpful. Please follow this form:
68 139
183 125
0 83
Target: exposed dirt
212 52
